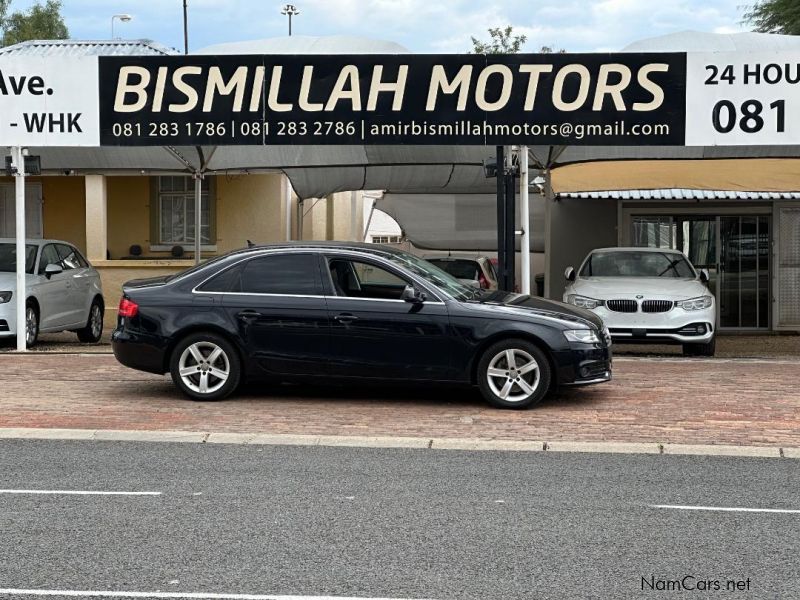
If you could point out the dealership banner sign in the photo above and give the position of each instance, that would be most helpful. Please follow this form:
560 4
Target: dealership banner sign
630 99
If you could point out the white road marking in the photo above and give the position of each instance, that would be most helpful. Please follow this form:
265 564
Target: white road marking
726 508
175 595
80 492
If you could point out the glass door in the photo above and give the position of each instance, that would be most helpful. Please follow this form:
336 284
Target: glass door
735 251
744 279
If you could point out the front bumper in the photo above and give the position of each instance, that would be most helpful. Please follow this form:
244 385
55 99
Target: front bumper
676 326
584 364
8 319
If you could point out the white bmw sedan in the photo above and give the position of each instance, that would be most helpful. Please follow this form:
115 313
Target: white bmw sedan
64 292
646 295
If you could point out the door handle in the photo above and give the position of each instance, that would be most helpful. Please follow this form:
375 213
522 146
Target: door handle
345 318
249 315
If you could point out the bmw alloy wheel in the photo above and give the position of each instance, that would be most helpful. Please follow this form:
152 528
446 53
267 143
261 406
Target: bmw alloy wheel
204 367
513 375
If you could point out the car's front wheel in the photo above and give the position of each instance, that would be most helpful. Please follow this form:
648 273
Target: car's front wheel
514 374
31 324
708 349
205 366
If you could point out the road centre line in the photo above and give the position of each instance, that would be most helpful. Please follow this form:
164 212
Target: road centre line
79 493
174 595
726 508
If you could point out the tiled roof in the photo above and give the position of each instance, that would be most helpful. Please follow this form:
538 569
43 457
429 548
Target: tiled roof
680 194
87 48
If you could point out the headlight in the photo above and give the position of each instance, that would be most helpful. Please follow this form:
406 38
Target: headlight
583 336
583 301
5 297
695 303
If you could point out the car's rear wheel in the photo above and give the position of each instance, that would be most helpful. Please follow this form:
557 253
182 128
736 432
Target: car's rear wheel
31 324
205 366
514 374
708 349
93 331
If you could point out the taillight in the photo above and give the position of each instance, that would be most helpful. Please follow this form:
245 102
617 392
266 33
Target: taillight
484 283
128 308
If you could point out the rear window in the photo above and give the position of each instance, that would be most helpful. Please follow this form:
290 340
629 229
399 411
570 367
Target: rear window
227 281
458 268
289 274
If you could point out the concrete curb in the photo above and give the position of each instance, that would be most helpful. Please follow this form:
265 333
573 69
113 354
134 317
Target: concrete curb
276 439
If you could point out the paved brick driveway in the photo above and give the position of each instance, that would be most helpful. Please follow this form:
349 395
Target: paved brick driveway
653 400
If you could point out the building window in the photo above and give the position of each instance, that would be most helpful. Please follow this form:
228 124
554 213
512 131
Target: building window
176 211
385 239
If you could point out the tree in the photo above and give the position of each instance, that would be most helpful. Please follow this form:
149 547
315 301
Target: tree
39 22
775 16
502 41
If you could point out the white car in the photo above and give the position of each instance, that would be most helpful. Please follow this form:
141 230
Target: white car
646 295
64 292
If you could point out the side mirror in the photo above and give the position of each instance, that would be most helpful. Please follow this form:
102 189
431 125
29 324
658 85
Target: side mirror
411 294
704 276
569 274
52 269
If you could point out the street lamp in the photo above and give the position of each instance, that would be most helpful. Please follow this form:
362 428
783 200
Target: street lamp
290 10
123 18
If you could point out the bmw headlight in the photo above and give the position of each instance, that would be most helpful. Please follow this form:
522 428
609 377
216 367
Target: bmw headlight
5 297
584 301
583 336
695 303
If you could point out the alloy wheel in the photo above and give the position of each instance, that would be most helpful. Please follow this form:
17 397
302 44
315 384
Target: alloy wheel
31 325
513 375
204 367
96 321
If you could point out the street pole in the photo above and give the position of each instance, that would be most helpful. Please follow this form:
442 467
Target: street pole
525 217
198 215
501 217
185 27
19 174
511 218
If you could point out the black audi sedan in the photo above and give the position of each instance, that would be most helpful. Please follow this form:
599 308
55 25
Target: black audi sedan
358 312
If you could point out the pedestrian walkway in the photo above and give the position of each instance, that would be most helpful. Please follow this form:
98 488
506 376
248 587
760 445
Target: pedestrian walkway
696 401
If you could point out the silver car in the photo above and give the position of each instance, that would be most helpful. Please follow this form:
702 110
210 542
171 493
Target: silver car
476 271
64 292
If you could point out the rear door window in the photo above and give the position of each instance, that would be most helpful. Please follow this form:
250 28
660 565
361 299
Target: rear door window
285 274
70 259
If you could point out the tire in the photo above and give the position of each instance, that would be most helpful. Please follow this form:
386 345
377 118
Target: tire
535 380
184 359
31 324
93 331
708 349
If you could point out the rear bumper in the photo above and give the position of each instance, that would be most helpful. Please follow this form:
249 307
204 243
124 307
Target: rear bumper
139 351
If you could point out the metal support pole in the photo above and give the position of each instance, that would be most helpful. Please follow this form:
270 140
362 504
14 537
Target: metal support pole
511 223
185 28
525 216
353 216
288 201
198 215
21 292
369 220
502 259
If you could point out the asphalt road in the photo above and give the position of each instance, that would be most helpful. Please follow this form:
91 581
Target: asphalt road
315 521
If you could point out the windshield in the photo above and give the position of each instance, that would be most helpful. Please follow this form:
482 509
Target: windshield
637 264
432 274
8 258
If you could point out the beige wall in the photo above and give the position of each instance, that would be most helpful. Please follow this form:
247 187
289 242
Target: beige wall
329 218
249 207
128 214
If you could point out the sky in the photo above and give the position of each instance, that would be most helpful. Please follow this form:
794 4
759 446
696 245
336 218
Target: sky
419 25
